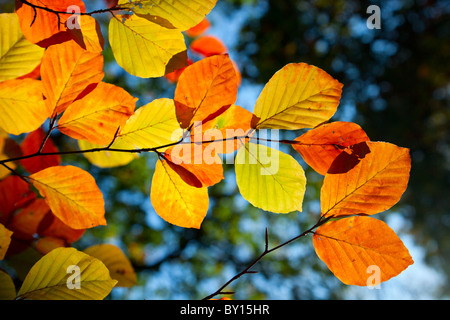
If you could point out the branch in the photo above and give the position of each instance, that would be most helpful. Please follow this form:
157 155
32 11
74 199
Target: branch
266 251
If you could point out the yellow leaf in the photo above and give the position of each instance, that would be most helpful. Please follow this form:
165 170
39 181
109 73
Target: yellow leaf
66 71
5 240
176 201
89 36
119 266
72 195
106 159
97 116
171 14
270 179
54 277
145 49
369 180
297 96
7 288
152 125
358 250
18 56
22 107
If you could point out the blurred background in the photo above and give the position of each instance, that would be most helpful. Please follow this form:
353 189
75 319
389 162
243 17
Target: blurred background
396 87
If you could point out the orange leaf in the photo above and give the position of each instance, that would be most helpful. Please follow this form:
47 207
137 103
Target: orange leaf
31 144
368 181
176 201
89 35
203 169
72 195
321 145
199 28
208 46
26 222
46 244
51 226
45 28
5 240
215 88
97 116
14 193
354 248
66 71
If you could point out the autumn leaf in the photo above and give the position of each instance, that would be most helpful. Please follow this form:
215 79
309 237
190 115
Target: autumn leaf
68 70
180 15
145 49
119 266
18 56
44 27
48 278
7 288
14 193
351 246
374 184
5 240
208 46
175 201
97 116
321 145
89 35
215 89
152 125
106 159
297 96
269 179
31 144
22 107
72 194
199 28
25 223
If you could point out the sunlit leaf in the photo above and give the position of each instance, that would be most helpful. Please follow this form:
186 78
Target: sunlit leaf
67 71
22 107
208 46
14 193
181 15
199 28
72 194
354 248
321 145
175 201
26 222
106 159
89 35
48 279
297 96
119 266
369 180
215 89
44 27
145 49
18 56
270 179
152 125
97 116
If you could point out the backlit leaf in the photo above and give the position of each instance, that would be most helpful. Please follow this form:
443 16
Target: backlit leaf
18 56
356 247
145 49
7 288
297 96
22 106
48 278
152 125
97 116
105 159
25 223
270 179
175 201
67 70
119 266
367 181
89 35
215 89
44 27
208 46
321 145
14 193
72 194
171 14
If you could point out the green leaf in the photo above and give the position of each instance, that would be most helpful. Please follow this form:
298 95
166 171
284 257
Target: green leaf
53 277
145 49
270 179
